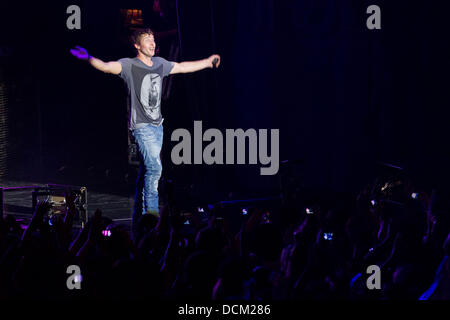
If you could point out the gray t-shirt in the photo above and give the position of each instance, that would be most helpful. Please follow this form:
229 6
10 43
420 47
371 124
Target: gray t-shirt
144 86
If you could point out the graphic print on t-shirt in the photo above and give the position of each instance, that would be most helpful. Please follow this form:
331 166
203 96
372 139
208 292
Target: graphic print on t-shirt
148 89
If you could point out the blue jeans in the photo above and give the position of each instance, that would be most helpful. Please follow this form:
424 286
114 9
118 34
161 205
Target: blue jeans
149 141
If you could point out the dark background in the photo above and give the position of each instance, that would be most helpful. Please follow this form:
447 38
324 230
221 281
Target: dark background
343 97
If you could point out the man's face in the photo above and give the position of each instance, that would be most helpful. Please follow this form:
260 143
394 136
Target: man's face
147 45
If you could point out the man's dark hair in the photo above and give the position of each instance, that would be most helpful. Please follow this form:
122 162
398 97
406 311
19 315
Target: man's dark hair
138 33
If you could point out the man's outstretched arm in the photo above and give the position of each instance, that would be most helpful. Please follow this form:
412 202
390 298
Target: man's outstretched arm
113 67
192 66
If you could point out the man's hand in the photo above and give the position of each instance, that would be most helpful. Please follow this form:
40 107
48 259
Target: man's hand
80 53
113 67
193 66
211 60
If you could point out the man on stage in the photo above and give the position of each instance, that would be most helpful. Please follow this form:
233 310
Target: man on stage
143 76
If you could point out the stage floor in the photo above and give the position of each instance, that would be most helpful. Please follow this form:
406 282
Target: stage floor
116 198
115 204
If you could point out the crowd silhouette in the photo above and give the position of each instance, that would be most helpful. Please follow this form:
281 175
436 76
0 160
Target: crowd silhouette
319 251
